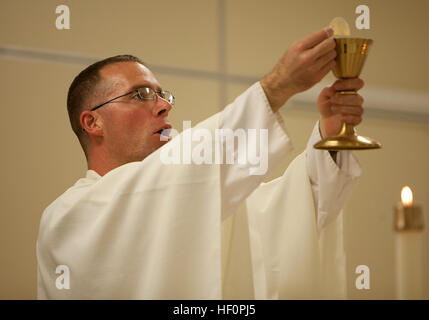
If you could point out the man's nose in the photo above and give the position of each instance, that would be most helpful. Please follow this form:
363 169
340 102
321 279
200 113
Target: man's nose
162 107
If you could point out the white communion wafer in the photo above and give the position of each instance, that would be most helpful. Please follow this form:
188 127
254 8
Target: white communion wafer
165 135
340 26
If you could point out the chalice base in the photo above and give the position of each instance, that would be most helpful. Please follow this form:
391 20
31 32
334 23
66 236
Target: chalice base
347 142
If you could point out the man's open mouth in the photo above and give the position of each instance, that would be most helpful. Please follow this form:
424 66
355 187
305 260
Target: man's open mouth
164 130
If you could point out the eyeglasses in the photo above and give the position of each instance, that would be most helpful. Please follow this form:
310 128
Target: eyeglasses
143 93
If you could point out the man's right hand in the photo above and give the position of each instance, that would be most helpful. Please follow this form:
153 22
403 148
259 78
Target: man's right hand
303 65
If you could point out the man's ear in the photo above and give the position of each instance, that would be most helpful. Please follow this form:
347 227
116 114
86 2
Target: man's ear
91 122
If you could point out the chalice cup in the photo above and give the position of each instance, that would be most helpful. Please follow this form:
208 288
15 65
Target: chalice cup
351 55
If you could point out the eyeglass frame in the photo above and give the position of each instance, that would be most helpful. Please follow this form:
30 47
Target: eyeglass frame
137 90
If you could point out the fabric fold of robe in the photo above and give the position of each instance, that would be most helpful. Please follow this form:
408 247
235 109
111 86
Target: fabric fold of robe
272 248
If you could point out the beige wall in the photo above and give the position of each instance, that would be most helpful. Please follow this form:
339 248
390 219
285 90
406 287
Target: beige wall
41 157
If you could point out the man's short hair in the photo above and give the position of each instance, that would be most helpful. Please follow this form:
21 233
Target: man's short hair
83 87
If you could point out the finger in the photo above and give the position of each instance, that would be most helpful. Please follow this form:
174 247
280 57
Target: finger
323 48
347 99
328 92
323 60
349 84
347 110
316 37
324 99
327 67
354 120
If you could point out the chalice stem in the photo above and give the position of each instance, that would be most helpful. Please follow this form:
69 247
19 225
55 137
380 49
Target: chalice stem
346 130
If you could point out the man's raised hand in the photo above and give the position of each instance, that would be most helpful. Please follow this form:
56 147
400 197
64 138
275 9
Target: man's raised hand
303 65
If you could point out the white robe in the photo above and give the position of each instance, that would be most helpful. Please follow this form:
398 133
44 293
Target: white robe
148 230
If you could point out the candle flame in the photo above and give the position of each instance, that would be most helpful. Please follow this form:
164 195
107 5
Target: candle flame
407 196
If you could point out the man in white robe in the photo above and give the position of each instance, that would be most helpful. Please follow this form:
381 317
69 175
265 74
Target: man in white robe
137 228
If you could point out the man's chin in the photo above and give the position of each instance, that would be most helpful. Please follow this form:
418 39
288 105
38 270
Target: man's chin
160 141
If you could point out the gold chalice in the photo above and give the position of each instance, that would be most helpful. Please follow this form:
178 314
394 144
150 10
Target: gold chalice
351 55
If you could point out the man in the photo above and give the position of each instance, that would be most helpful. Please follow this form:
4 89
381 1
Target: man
136 227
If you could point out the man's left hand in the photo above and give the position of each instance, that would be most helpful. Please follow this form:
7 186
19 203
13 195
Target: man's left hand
336 108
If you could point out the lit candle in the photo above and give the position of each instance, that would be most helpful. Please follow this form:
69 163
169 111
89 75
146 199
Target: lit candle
409 247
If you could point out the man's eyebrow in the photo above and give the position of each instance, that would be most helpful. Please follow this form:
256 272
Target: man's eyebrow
156 88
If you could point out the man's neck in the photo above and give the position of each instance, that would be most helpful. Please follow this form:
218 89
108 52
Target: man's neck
102 164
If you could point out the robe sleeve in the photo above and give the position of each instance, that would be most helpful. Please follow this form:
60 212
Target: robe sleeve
332 181
251 111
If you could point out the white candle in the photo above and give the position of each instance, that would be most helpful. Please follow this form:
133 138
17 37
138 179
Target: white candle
409 247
